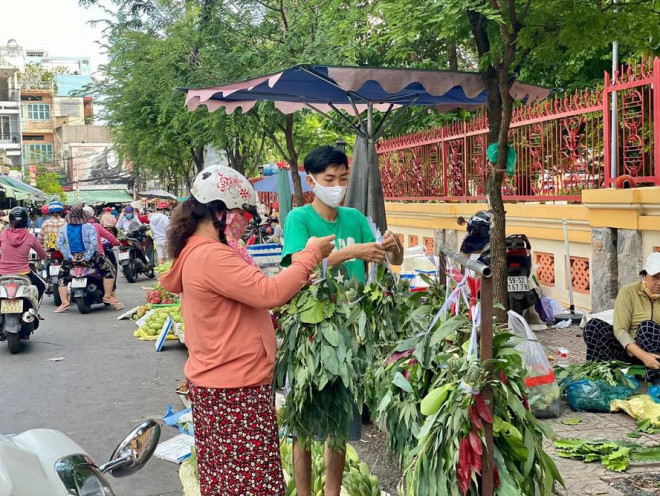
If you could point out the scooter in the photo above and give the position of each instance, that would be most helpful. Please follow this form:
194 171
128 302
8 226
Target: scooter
86 287
51 274
136 253
47 462
476 243
19 307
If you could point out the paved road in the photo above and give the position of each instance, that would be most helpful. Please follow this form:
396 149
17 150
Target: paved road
107 383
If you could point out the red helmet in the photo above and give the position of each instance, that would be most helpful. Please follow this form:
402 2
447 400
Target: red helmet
162 206
45 210
107 209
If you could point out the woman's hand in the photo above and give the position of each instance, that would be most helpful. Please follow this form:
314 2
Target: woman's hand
326 244
650 360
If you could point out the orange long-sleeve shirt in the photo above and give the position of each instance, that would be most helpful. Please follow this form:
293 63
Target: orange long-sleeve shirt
225 302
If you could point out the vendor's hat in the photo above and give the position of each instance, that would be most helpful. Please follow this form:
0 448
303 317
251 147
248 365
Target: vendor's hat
652 265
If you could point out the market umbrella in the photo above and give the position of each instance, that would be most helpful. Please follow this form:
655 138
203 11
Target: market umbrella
284 190
270 184
157 193
349 91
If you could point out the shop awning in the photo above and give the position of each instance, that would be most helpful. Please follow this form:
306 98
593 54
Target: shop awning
18 190
92 196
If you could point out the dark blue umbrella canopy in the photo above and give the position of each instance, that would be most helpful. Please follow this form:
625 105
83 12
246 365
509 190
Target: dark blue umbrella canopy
269 184
351 88
354 90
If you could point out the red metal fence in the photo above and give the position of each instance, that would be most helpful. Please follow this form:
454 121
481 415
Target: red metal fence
562 146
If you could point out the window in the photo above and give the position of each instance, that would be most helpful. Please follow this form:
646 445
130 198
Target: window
33 137
5 128
38 111
34 154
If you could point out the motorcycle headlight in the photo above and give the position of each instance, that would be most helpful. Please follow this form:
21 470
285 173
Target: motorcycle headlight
81 477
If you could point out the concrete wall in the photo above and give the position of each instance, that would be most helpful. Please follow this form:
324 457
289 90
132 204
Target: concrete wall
614 229
83 134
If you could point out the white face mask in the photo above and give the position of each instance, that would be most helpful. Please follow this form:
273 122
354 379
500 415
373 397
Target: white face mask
332 196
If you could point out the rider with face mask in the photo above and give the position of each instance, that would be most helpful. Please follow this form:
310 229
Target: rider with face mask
127 219
327 174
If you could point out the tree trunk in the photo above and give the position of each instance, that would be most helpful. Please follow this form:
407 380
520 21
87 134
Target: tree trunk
293 161
198 157
497 121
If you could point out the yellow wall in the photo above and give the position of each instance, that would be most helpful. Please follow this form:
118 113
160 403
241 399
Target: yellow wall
636 209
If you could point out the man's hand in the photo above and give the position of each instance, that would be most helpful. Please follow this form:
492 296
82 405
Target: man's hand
390 243
326 244
650 360
369 252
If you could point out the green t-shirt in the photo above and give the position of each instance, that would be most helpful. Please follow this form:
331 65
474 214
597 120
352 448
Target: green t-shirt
350 227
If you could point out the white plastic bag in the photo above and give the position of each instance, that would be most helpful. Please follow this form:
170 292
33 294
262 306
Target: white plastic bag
540 380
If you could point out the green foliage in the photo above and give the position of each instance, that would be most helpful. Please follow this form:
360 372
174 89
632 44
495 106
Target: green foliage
614 455
48 182
610 372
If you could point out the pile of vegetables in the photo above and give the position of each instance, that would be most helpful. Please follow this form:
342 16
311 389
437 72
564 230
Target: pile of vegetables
357 478
614 455
154 320
344 343
610 372
159 295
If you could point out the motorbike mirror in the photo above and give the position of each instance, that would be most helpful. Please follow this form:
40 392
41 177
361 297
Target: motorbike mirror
461 221
134 451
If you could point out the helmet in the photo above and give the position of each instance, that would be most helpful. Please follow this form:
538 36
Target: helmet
18 217
223 183
129 209
89 211
45 210
162 206
55 206
107 209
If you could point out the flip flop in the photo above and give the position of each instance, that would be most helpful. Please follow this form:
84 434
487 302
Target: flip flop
62 308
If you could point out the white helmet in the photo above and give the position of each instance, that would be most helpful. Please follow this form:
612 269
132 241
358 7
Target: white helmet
224 183
89 211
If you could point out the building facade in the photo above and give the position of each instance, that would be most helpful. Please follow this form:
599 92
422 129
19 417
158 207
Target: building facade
10 118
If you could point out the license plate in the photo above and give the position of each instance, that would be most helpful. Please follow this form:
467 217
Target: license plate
124 255
80 282
11 306
54 270
517 284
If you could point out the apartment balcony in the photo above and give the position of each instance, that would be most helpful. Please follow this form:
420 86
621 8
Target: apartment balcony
40 126
12 96
10 139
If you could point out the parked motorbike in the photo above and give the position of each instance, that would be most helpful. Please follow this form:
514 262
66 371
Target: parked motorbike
47 462
518 259
136 253
19 307
258 234
50 273
86 287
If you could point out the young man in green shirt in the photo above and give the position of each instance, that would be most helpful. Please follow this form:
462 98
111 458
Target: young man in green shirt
327 175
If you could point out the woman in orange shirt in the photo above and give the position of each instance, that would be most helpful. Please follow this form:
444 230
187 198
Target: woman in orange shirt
229 333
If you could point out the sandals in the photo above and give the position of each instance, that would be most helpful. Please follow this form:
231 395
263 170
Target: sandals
118 305
63 308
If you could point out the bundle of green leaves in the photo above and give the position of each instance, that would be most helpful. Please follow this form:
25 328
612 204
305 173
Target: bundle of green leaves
614 455
610 372
328 342
447 458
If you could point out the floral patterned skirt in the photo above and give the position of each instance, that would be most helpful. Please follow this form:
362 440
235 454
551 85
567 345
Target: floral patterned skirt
236 438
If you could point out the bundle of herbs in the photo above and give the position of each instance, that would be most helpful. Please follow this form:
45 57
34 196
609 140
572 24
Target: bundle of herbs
613 373
447 459
328 342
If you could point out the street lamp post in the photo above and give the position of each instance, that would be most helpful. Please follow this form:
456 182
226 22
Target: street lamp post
341 144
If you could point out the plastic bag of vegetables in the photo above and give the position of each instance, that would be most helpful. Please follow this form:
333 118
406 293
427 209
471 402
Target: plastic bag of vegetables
544 391
595 396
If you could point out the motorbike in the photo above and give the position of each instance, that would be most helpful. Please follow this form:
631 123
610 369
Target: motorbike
258 234
476 243
86 287
19 307
47 462
50 272
136 253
